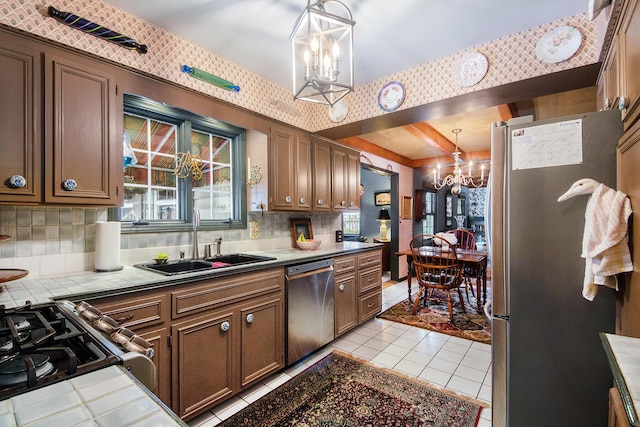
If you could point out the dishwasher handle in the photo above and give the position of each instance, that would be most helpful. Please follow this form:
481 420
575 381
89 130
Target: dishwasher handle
310 273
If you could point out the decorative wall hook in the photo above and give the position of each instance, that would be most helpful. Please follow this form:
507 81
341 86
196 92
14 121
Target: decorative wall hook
74 21
188 164
209 78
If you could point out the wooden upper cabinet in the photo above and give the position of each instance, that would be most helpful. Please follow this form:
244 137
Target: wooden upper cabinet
629 61
84 161
289 170
346 178
20 121
321 157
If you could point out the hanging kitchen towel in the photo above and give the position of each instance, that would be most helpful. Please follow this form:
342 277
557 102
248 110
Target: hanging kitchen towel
604 243
107 246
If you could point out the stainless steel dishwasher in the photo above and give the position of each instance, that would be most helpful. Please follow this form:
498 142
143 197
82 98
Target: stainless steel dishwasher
310 310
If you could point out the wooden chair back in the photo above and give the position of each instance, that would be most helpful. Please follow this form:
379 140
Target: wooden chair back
466 239
435 268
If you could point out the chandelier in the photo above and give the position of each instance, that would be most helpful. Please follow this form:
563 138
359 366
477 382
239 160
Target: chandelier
322 48
458 178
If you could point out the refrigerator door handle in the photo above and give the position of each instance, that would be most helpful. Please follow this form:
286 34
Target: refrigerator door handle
498 219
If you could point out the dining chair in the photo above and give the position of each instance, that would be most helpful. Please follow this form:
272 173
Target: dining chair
435 270
467 241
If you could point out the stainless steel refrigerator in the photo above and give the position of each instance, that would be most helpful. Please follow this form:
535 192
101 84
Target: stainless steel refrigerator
549 367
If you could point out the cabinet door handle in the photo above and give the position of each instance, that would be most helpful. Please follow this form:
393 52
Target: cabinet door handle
123 319
224 326
623 102
343 203
341 287
352 204
287 199
320 202
250 318
18 181
303 200
69 184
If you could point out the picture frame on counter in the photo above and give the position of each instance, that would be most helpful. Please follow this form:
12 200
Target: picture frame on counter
300 226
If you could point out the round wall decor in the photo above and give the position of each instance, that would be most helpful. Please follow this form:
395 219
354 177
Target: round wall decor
558 44
470 69
391 96
338 111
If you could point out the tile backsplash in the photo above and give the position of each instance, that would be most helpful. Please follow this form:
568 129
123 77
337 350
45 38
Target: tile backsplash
52 240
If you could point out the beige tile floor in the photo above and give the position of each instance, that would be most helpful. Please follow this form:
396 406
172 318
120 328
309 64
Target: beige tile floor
448 362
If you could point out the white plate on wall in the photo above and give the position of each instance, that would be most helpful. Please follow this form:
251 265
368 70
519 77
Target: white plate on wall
470 69
391 96
559 44
338 111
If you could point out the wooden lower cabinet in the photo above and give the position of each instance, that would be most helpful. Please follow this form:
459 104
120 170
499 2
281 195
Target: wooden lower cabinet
211 339
357 289
203 361
345 296
617 414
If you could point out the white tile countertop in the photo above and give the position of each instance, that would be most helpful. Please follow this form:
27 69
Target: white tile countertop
84 401
43 289
624 357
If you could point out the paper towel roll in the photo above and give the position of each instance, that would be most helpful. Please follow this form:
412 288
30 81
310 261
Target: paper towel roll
107 246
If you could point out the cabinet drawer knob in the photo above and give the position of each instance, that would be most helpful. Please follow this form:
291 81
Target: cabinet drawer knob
287 199
302 200
124 318
69 184
369 305
623 102
320 202
343 203
250 318
224 326
341 287
18 181
370 279
352 204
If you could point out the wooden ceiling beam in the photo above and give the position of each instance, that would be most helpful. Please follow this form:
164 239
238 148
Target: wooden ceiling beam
431 136
364 145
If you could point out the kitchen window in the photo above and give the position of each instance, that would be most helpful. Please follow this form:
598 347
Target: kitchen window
175 161
429 221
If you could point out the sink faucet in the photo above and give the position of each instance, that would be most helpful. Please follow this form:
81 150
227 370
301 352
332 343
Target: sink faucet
196 224
218 245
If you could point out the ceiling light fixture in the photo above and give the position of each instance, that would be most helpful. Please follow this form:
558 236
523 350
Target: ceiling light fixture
322 48
458 178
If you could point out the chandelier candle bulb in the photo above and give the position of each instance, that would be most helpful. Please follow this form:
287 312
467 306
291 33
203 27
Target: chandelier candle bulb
249 169
470 163
482 172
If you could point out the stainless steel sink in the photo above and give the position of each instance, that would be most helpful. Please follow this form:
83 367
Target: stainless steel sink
191 266
237 259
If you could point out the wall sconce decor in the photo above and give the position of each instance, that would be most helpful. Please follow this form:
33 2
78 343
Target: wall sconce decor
209 78
254 174
188 164
74 21
383 217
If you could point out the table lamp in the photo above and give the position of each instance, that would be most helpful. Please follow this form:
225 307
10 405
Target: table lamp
383 217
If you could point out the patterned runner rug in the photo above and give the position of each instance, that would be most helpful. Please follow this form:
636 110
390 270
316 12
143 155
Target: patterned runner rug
342 391
435 316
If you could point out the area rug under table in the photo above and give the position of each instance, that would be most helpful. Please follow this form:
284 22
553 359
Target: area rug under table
435 316
341 391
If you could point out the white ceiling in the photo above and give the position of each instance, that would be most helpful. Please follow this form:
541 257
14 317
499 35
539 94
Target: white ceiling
389 35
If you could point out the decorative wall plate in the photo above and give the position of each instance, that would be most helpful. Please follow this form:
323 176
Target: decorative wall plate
470 69
338 111
558 44
391 96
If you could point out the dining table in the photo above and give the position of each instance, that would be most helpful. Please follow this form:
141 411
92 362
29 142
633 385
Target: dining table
472 260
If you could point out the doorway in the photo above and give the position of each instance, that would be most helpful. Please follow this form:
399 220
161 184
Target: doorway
377 183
